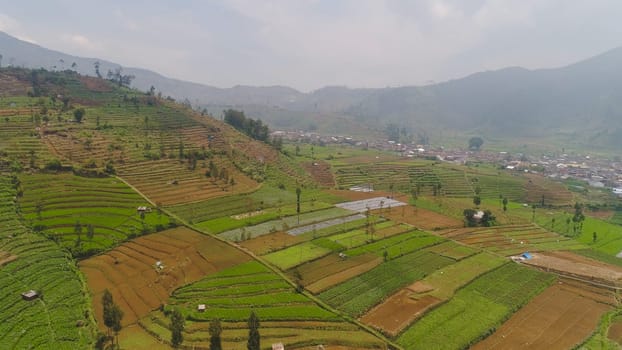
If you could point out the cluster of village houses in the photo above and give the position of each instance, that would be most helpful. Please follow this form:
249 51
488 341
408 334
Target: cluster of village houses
596 172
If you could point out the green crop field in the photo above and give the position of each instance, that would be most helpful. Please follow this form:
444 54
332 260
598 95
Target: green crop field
608 236
398 245
48 322
56 204
79 181
296 255
232 294
476 309
360 293
448 279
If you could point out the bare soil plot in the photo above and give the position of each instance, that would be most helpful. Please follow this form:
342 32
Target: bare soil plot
320 172
615 331
6 257
398 311
571 264
559 318
600 214
338 273
329 265
421 218
138 285
261 245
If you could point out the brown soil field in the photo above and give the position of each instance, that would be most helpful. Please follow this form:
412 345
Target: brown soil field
329 265
342 276
169 182
138 285
320 172
421 218
600 214
559 318
267 243
615 332
6 257
95 84
420 287
11 86
571 264
554 193
398 311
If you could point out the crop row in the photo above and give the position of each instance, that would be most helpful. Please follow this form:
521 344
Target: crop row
50 321
477 308
360 293
232 293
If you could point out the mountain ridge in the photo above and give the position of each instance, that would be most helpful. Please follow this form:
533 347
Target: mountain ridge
582 98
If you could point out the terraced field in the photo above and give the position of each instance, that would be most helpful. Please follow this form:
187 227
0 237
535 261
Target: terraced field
170 182
139 284
83 214
21 138
553 193
402 308
285 315
412 272
561 317
60 318
512 239
358 294
475 309
494 184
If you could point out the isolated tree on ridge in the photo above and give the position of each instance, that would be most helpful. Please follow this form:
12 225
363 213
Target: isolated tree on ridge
253 332
215 329
177 327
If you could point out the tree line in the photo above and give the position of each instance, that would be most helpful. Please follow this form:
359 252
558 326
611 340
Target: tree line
253 128
113 315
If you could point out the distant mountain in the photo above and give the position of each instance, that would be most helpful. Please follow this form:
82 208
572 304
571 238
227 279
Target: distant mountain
581 102
24 54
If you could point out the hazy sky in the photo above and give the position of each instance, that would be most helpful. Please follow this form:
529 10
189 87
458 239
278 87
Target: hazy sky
308 44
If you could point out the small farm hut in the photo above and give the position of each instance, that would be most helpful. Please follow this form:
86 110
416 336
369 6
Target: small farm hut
30 295
278 346
201 308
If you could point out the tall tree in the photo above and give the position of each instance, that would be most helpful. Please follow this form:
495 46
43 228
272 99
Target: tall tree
116 316
97 72
253 332
475 143
298 192
78 114
215 329
107 303
177 327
